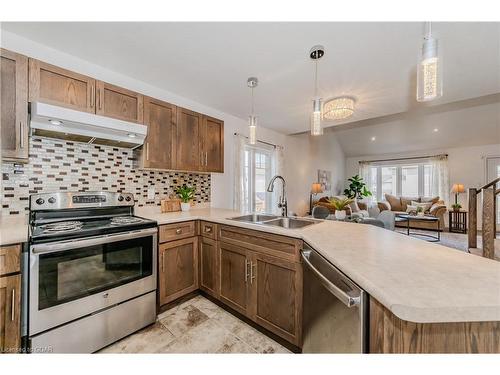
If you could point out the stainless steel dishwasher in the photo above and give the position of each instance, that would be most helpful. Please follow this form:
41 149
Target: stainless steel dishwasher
335 308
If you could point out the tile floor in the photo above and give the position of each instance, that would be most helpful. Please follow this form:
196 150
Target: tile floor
197 326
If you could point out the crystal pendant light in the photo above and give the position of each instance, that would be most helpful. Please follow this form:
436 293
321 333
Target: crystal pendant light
315 54
429 69
252 119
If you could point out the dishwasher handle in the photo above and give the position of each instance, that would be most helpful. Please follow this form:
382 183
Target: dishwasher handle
345 298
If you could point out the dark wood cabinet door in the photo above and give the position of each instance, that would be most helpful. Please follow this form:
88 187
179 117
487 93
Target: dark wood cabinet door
158 151
10 317
277 296
14 105
208 257
188 127
212 141
117 102
234 277
58 86
178 269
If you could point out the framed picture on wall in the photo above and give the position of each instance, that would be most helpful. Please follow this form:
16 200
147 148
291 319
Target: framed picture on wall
325 179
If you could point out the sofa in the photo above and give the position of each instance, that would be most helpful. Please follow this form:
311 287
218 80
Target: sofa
399 205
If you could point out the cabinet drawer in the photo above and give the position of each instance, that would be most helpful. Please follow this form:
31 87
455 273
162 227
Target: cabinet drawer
10 259
271 244
208 230
177 231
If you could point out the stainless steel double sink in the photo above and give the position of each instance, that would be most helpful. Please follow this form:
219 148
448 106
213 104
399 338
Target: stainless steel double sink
277 221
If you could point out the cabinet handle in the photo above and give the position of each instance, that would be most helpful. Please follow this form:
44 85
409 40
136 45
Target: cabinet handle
99 99
161 260
178 231
21 135
208 229
147 150
252 276
92 97
13 306
206 159
246 270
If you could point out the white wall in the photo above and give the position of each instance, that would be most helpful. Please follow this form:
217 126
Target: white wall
303 155
467 165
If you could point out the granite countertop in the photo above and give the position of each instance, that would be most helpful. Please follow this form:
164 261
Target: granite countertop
13 229
417 280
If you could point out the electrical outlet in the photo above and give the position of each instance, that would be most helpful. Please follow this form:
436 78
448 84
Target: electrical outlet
151 192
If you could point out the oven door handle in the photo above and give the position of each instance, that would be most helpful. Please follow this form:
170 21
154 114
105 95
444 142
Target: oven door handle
79 243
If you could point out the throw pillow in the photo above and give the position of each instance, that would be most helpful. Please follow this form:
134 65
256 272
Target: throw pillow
433 200
407 200
395 202
426 206
410 208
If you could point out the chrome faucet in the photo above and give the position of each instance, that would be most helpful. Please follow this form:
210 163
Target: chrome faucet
282 200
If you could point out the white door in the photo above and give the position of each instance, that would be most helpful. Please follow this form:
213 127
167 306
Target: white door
492 172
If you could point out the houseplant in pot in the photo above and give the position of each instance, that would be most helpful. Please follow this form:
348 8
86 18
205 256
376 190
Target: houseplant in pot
456 207
357 188
340 206
186 194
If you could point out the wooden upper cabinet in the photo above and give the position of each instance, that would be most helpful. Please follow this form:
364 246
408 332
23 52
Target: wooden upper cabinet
58 86
14 105
188 133
158 151
119 103
212 144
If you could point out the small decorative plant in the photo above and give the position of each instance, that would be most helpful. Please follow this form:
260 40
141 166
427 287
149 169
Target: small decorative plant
456 206
340 205
186 194
357 188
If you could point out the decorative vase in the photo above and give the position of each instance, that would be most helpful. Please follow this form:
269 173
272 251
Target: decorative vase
340 215
185 206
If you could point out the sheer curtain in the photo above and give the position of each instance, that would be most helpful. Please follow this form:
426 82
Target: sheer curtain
365 172
241 200
440 178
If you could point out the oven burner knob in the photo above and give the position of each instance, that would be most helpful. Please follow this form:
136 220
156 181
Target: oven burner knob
128 198
120 198
40 201
52 200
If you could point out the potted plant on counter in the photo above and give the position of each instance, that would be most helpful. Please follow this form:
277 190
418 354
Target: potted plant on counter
340 207
186 194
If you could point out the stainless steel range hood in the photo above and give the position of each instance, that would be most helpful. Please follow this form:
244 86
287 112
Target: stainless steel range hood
57 122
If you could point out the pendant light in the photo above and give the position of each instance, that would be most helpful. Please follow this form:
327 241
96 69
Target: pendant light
315 54
429 69
252 82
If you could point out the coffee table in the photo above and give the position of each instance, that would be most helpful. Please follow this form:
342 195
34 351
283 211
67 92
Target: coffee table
409 218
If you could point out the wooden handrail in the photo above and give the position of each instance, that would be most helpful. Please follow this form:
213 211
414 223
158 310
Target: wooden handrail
489 184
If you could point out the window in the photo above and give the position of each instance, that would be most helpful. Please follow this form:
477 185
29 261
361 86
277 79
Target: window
408 180
258 171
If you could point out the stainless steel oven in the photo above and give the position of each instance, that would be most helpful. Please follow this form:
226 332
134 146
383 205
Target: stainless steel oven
70 279
92 277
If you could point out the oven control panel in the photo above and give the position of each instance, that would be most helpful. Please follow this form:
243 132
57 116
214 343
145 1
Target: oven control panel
64 200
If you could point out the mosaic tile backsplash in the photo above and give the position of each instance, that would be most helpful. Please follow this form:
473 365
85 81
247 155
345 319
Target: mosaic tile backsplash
56 165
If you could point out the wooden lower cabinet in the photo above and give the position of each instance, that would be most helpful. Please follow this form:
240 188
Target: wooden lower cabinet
10 317
208 265
234 277
178 269
277 296
266 289
389 334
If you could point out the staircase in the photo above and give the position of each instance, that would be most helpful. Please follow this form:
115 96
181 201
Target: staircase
488 195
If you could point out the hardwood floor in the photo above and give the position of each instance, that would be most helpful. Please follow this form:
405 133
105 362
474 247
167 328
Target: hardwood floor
197 326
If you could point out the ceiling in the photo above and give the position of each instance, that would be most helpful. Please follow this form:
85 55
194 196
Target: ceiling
210 62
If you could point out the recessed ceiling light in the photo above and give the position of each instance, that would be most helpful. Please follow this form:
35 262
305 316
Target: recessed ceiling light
131 135
436 130
373 138
55 122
